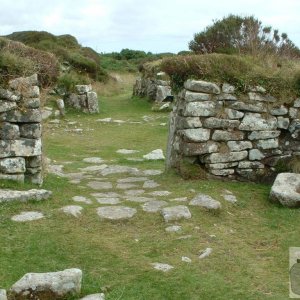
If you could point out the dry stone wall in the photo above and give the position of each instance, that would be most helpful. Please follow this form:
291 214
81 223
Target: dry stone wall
233 136
21 131
154 89
84 99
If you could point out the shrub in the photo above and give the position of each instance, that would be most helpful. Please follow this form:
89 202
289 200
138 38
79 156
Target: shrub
68 81
235 34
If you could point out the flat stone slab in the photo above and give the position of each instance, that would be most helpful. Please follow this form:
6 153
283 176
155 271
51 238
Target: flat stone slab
116 212
138 199
93 160
132 179
111 201
53 285
155 155
26 216
116 169
127 151
125 186
134 192
162 267
152 172
23 196
206 202
180 199
160 193
106 195
73 210
82 199
98 185
99 296
150 184
173 228
94 168
153 206
286 190
175 213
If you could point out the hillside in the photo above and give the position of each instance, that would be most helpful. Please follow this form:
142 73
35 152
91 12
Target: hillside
64 48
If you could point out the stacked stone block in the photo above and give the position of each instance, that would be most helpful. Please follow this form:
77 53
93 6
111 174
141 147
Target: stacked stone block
232 136
20 131
154 89
84 99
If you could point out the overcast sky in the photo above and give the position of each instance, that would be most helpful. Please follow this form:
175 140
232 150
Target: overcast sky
150 25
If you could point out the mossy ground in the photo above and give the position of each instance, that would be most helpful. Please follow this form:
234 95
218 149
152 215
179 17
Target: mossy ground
250 240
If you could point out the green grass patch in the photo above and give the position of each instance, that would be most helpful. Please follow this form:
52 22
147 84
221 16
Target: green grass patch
250 240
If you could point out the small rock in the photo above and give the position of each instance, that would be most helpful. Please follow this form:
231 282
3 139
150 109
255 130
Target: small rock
186 259
3 295
175 213
127 151
93 160
154 155
230 198
153 206
54 285
116 212
73 210
162 267
206 202
106 120
285 190
100 296
205 253
173 228
150 184
27 216
82 199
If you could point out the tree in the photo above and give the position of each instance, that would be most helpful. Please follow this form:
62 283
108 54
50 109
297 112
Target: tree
235 34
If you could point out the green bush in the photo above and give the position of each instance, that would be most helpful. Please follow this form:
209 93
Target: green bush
68 81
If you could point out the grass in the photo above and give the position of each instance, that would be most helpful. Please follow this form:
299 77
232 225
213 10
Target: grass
250 240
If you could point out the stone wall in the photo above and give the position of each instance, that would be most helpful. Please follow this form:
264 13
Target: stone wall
232 136
154 89
84 99
20 131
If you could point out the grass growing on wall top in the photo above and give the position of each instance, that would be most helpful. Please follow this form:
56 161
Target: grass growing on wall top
281 77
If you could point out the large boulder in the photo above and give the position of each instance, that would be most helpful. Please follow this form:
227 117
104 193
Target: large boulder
53 285
286 190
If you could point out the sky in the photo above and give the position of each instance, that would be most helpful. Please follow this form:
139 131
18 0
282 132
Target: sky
152 25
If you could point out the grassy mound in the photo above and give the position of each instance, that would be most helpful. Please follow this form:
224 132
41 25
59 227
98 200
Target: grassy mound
67 50
281 77
16 59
